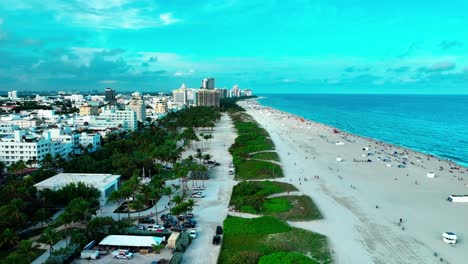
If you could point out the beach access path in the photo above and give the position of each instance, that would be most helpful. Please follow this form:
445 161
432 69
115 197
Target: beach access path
362 202
213 209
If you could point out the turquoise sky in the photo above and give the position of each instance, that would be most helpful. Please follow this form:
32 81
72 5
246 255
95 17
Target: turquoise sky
334 46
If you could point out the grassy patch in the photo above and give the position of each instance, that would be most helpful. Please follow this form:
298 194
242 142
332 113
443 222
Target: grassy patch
301 208
277 205
265 156
286 257
249 196
267 235
256 169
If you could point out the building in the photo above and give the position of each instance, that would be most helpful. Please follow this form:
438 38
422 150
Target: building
235 91
180 96
223 93
19 146
13 95
137 105
109 96
105 183
87 109
90 142
128 241
129 118
205 97
160 107
208 83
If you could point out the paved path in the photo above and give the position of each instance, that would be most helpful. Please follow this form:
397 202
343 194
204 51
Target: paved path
43 258
213 209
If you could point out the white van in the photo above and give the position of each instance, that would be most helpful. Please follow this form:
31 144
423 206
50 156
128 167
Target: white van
449 237
458 198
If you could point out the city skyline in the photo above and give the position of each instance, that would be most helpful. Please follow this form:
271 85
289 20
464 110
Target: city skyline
299 46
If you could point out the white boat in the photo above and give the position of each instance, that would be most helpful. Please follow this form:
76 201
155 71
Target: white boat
449 237
458 198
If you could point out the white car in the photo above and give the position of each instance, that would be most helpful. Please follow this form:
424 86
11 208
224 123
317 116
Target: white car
449 237
154 228
193 233
198 188
198 195
122 254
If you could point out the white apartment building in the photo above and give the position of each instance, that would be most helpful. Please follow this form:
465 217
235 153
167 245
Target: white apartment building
129 117
13 95
21 147
94 140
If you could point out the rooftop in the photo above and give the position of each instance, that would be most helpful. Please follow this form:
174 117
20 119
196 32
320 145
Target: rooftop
97 180
130 241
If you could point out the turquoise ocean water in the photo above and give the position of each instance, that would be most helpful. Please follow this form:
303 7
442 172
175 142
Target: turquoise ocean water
434 124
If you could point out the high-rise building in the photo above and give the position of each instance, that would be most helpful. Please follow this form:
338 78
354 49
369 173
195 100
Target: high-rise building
235 91
138 105
160 106
208 83
128 117
180 96
223 93
205 97
13 95
110 96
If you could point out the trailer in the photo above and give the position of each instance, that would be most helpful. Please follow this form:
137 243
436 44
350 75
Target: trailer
458 198
89 254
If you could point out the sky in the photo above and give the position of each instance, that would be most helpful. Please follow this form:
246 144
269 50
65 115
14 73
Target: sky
269 46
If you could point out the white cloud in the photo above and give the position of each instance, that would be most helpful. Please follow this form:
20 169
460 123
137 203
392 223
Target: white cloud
167 19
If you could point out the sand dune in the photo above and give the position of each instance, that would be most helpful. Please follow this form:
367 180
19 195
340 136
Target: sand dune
363 201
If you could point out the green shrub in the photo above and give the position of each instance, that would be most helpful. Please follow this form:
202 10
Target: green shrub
177 258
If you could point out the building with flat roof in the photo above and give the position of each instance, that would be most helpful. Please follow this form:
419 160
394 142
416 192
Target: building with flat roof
125 241
208 83
105 183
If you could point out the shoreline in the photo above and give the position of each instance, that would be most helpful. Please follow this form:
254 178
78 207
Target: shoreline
375 140
362 201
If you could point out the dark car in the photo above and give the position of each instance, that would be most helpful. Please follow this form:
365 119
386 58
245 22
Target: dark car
216 240
219 230
178 228
169 224
181 217
165 216
191 220
146 221
189 225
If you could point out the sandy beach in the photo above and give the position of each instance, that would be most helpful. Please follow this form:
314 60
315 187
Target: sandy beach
363 196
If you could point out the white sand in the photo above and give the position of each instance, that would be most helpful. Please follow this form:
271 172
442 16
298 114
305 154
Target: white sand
347 193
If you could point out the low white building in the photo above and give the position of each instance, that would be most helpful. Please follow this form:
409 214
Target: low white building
105 183
93 140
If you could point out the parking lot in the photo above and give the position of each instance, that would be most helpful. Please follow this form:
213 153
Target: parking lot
137 258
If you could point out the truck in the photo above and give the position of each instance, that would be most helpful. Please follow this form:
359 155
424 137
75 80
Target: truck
458 198
89 254
122 254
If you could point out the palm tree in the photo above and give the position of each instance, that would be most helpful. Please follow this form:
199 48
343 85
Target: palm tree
49 236
26 249
42 215
13 212
177 200
157 248
168 191
116 197
66 218
207 157
153 195
199 156
190 204
138 204
8 238
47 162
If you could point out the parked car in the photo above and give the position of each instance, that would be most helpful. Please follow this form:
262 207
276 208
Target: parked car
165 216
189 215
139 227
189 224
198 195
169 224
216 240
198 188
122 254
178 228
219 230
154 228
146 221
181 217
193 233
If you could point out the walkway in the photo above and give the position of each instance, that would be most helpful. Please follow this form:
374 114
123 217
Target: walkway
43 258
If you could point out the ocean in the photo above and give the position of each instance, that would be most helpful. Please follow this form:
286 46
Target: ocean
433 124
